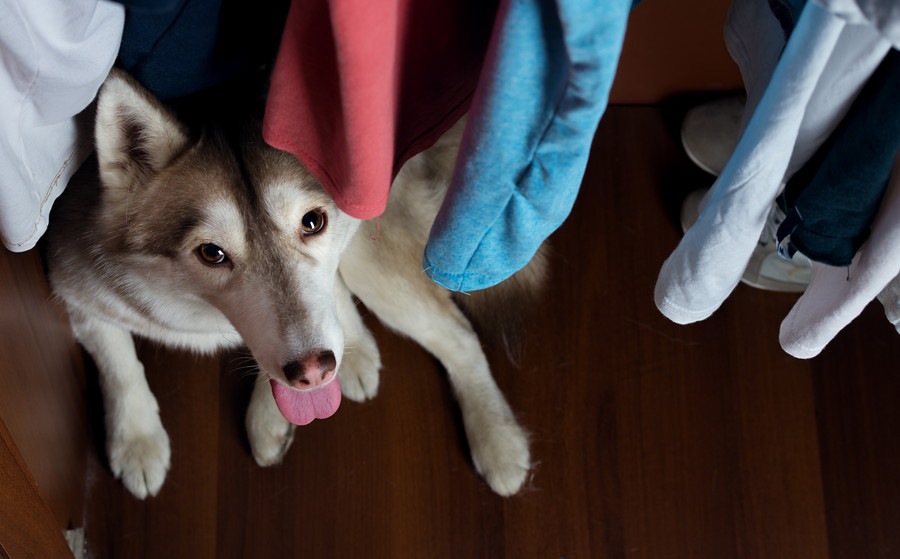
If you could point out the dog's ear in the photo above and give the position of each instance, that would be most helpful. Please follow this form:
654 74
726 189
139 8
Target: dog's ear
136 136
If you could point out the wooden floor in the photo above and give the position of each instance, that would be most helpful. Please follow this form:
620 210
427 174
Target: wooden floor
650 439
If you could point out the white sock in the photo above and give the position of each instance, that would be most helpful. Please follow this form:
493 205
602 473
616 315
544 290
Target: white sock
835 296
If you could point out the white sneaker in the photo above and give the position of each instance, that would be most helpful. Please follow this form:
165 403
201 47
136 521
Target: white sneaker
710 132
770 270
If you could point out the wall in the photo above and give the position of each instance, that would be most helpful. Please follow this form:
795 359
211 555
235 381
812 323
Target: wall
673 47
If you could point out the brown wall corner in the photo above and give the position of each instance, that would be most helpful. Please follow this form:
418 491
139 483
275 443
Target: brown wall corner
673 47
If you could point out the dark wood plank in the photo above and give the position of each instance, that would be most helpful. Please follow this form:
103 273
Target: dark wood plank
856 385
650 439
27 526
42 399
181 520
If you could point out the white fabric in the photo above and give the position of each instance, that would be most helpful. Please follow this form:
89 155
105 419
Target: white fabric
883 15
54 54
754 39
890 299
820 72
835 296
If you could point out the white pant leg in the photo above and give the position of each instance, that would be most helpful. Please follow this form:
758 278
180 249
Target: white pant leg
708 263
835 296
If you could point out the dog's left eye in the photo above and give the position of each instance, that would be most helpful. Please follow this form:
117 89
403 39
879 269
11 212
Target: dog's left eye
312 222
209 253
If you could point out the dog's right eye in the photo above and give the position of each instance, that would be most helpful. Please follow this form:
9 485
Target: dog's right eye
211 254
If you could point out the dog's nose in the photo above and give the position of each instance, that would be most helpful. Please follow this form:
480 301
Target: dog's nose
311 370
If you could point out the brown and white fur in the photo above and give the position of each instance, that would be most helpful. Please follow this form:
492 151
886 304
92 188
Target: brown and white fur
123 254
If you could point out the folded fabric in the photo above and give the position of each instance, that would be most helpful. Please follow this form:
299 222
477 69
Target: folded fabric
755 35
820 72
359 87
883 15
787 12
152 6
56 53
543 90
835 296
831 202
177 48
890 300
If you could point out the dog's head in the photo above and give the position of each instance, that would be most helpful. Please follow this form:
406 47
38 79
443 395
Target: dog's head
221 219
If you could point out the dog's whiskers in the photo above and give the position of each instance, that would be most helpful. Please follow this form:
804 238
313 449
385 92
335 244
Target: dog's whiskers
243 364
246 372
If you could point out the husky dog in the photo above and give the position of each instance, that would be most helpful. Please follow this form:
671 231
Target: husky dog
215 240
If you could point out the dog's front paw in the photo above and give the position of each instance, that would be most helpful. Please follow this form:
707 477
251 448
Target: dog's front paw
269 432
270 440
359 373
140 458
500 454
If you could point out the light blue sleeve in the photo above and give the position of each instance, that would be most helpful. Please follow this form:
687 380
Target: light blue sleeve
544 87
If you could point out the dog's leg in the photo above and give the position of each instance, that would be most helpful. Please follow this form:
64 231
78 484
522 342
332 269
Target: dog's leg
137 443
427 314
269 432
362 361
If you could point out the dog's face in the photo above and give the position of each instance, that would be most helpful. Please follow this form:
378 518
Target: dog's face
226 220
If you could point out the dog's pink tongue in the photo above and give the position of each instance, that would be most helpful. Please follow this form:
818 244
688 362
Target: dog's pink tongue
301 407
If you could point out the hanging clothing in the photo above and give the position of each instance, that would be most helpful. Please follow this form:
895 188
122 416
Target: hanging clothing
835 296
821 70
543 90
360 87
178 48
387 80
889 297
882 15
56 53
831 202
787 12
